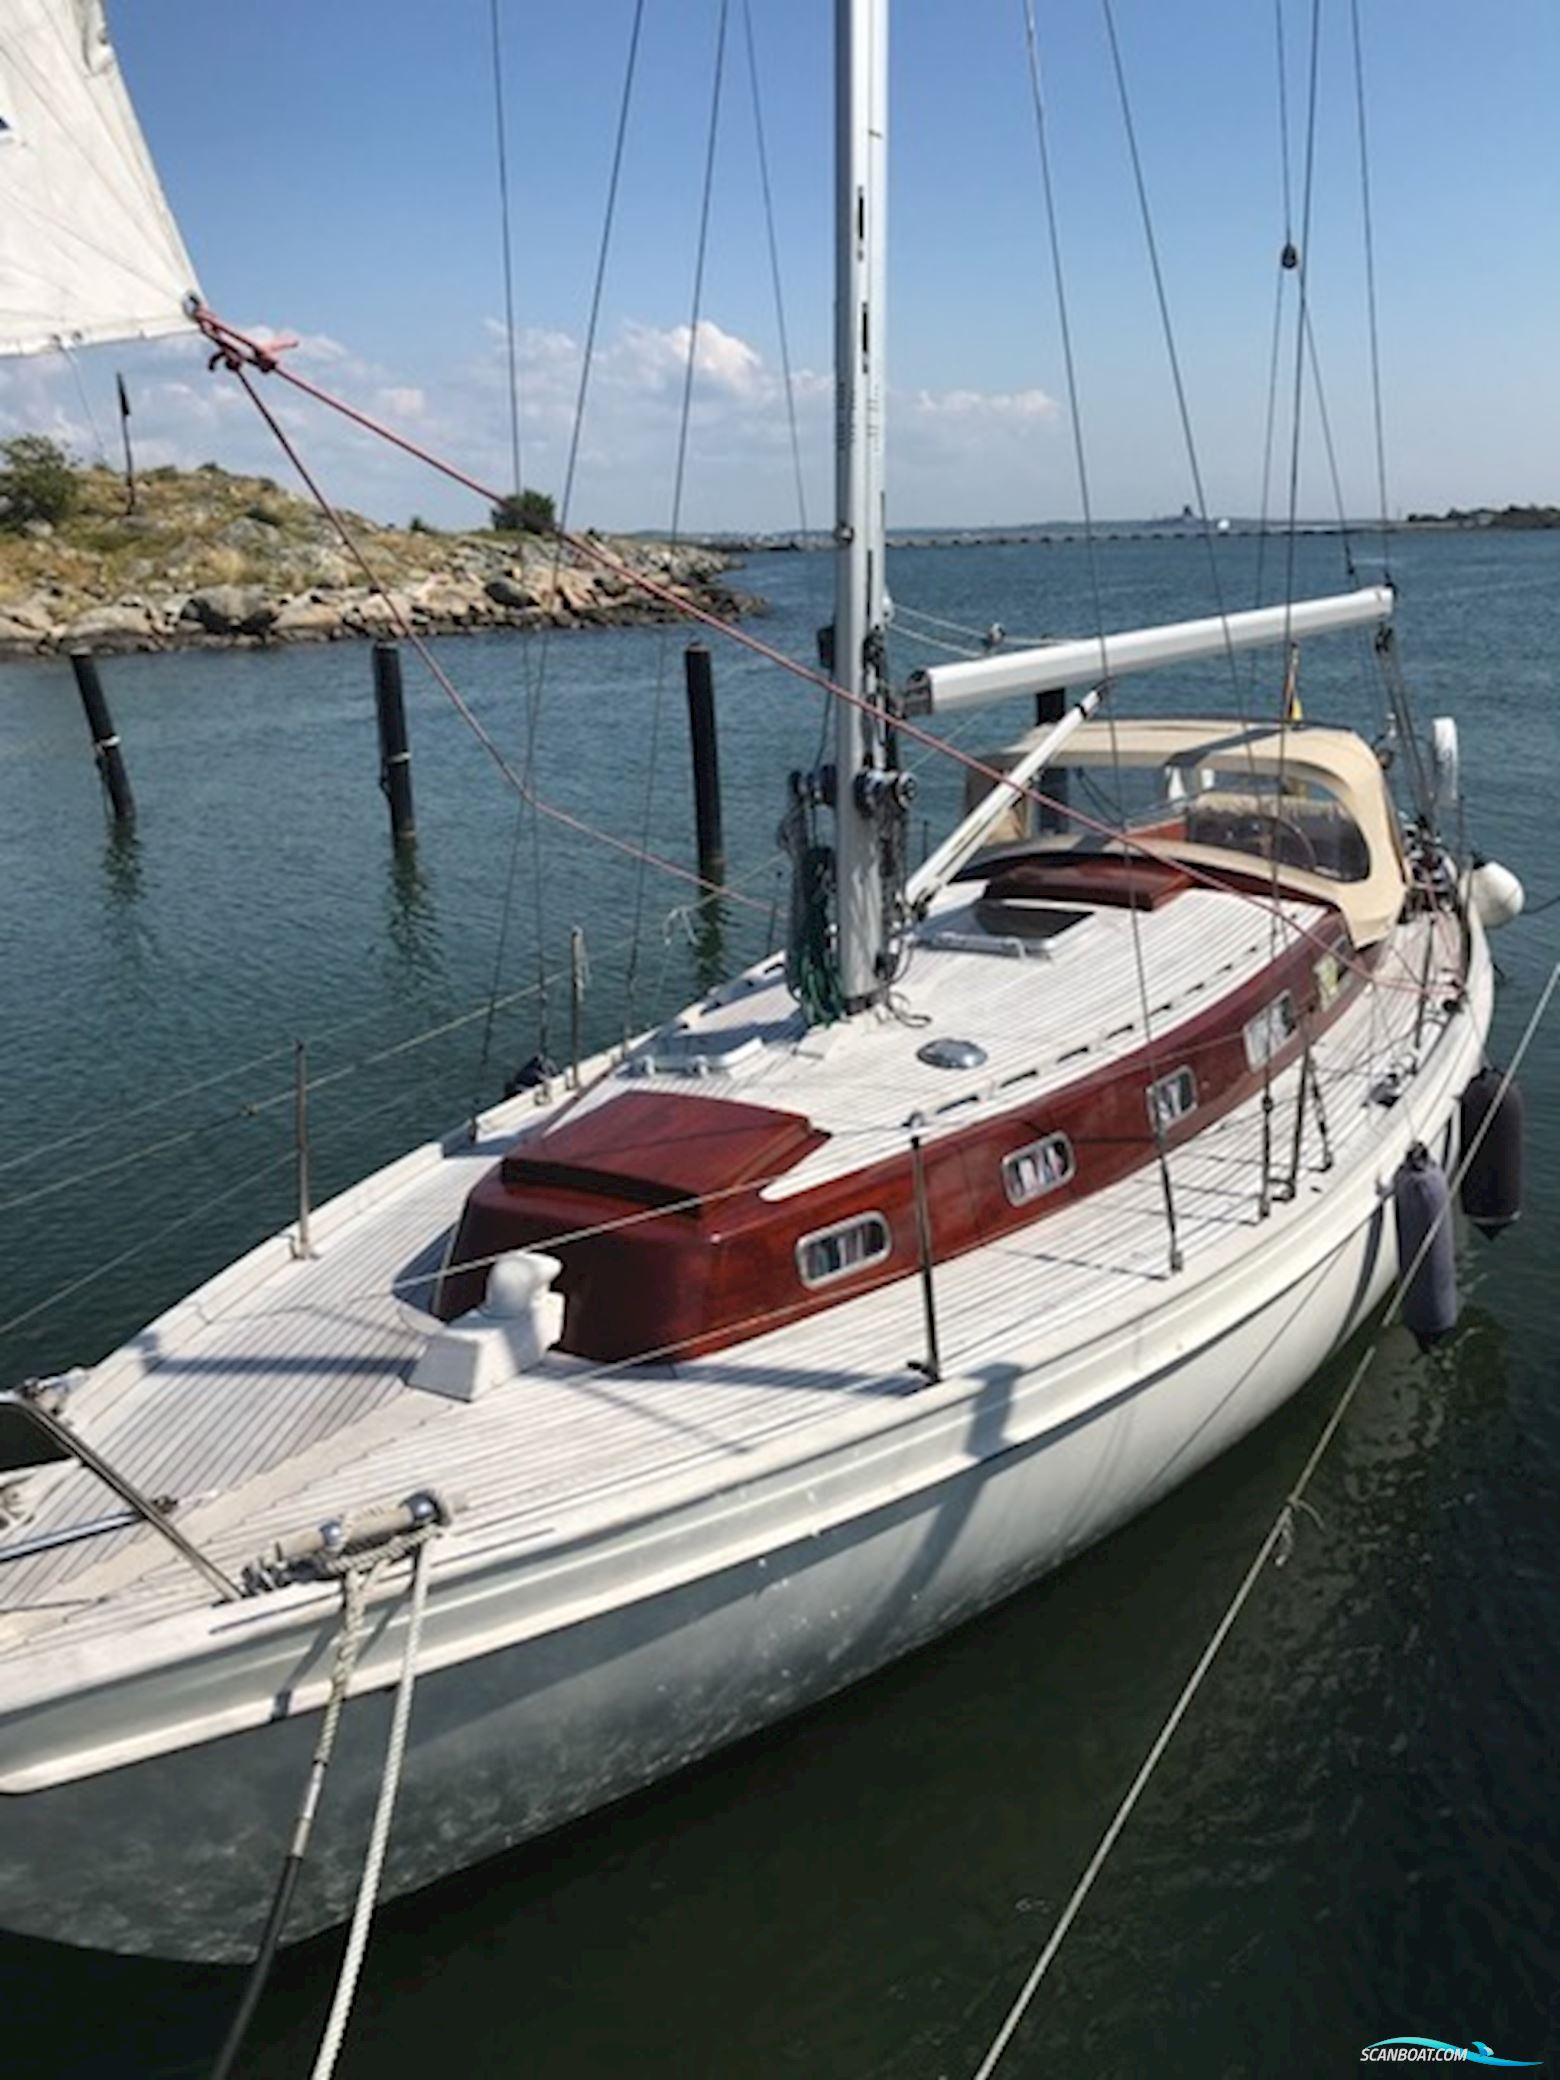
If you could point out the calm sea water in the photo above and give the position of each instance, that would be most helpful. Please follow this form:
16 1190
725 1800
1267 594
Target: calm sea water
1354 1835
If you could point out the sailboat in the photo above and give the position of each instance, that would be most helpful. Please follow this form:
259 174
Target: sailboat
660 1402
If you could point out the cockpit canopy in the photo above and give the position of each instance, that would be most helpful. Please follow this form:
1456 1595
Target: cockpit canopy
1308 803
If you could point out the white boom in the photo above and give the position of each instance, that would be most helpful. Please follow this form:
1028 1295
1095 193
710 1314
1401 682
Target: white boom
943 689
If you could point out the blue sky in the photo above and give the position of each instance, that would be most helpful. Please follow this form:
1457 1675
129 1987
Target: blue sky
333 169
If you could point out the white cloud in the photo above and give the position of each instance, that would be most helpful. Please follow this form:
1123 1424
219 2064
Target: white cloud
992 406
401 400
954 454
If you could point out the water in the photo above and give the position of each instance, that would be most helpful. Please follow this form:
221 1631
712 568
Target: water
1353 1835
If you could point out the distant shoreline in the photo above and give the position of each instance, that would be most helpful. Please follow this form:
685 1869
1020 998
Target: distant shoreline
210 561
1059 533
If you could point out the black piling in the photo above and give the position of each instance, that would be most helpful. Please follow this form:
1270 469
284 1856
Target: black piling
105 738
395 757
1051 707
706 762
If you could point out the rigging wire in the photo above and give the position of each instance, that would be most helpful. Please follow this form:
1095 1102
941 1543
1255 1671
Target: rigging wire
1032 46
781 327
517 781
1301 266
1370 284
239 352
1172 352
774 269
517 470
679 478
254 1108
1277 1541
1302 328
516 457
536 693
86 403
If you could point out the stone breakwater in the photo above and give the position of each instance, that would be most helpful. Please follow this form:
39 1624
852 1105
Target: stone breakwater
480 585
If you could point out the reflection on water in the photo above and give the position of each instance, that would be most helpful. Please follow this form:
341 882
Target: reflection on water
708 922
128 925
412 920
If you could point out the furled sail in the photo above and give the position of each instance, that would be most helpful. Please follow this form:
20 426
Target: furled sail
88 247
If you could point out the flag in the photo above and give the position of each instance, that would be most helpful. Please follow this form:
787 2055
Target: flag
1292 710
124 427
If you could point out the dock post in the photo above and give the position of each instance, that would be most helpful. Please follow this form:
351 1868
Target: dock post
1051 707
706 763
395 758
105 738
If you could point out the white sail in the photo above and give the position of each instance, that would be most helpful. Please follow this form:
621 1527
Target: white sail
89 250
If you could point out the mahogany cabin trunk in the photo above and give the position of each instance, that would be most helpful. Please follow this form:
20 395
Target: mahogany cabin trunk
653 1198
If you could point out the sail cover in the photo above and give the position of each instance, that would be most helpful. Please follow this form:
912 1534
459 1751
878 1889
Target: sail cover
88 247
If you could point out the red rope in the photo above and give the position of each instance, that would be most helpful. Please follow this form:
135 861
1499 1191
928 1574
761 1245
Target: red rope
235 349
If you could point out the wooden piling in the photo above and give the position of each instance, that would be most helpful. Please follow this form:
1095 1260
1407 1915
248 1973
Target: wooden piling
706 762
395 757
1051 707
105 738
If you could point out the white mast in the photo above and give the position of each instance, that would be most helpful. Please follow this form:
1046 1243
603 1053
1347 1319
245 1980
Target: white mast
861 162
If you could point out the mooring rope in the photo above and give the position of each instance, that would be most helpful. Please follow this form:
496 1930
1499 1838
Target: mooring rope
1279 1538
384 1814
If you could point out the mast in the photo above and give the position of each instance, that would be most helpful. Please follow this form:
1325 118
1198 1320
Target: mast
860 785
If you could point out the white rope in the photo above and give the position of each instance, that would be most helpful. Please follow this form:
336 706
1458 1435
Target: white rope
379 1837
1280 1535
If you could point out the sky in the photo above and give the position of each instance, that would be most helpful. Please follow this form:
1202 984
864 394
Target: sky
333 169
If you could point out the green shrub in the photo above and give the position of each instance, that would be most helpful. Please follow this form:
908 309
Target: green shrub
525 512
37 481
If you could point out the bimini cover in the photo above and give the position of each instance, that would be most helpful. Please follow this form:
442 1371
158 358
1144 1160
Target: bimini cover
89 250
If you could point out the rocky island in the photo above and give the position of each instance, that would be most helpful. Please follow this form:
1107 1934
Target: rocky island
210 559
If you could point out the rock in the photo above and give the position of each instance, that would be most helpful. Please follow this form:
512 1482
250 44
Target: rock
16 634
38 530
128 622
576 590
32 614
229 610
445 599
505 591
376 613
307 619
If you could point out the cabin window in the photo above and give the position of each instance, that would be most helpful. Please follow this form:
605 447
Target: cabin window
850 1246
1171 1098
1267 1032
1029 1173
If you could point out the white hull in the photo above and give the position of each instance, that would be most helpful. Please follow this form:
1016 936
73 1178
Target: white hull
559 1681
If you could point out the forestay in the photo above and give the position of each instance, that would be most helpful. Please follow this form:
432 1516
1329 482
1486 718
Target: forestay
89 250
